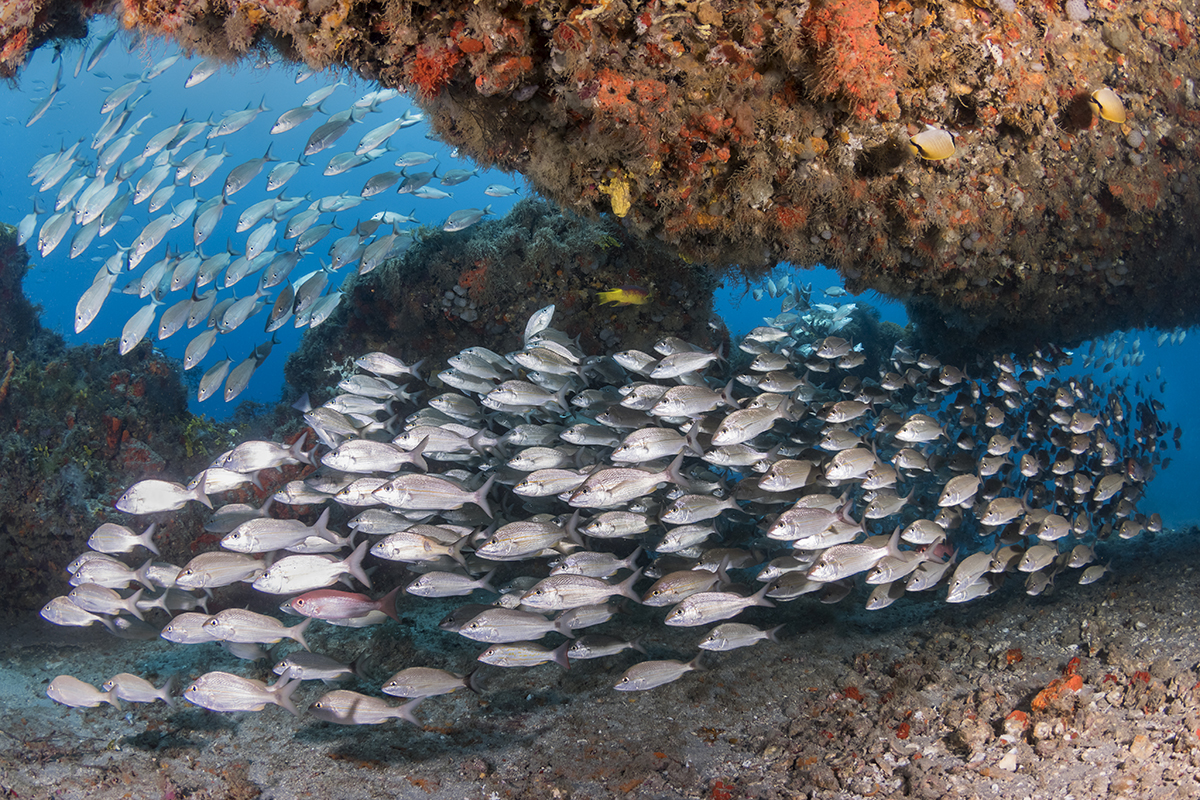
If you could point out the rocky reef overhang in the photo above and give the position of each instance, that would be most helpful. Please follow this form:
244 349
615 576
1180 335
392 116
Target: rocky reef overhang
750 133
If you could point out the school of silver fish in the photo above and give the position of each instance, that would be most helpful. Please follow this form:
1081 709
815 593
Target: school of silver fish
127 162
559 486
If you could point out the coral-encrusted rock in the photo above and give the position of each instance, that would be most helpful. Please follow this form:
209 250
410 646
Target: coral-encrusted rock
77 427
745 133
971 735
18 320
451 290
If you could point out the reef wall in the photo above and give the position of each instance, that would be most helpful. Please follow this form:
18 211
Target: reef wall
480 285
747 133
77 425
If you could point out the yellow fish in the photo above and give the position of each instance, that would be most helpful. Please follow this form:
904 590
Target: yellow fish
625 296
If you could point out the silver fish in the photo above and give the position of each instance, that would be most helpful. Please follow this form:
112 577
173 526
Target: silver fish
137 327
431 493
245 172
52 232
120 95
70 691
232 123
92 299
465 218
281 174
210 570
651 674
506 625
733 635
242 625
327 134
705 607
525 654
103 600
303 573
222 691
154 496
136 689
113 538
571 591
351 708
305 666
201 72
426 682
212 379
294 117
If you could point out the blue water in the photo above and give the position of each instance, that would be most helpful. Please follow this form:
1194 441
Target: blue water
57 281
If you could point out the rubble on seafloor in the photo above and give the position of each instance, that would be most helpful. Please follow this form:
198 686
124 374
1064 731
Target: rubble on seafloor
450 290
750 133
77 424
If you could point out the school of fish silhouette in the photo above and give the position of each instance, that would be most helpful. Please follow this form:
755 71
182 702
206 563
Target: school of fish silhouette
128 181
568 484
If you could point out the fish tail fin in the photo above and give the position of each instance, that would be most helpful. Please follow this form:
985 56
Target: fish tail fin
456 550
760 597
476 442
479 498
414 369
201 497
131 603
354 564
392 424
572 528
562 625
321 527
631 562
676 477
141 573
147 539
727 395
405 712
296 633
283 695
560 657
485 582
417 454
893 545
625 587
388 603
692 440
297 451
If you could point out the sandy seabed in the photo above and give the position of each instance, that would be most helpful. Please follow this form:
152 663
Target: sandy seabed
922 699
